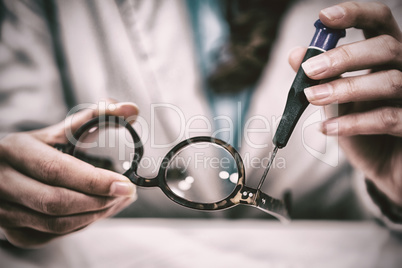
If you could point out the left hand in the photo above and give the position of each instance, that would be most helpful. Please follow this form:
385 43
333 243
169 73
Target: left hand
370 122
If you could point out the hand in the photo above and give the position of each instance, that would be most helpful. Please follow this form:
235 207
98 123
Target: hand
45 194
370 121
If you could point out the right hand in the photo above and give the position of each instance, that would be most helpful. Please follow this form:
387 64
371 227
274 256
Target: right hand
45 194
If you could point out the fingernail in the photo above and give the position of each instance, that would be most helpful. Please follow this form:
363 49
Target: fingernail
132 104
319 92
333 13
316 65
120 188
129 110
330 129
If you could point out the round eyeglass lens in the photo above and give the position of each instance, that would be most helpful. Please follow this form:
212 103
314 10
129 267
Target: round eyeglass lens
202 172
106 145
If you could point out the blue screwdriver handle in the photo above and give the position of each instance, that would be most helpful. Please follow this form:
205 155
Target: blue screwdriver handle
324 39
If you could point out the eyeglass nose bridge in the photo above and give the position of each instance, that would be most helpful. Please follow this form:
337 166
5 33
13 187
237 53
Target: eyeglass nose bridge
157 181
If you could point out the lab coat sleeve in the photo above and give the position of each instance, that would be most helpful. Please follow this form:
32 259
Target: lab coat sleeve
378 205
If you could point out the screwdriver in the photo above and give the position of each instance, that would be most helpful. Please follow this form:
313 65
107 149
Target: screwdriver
324 39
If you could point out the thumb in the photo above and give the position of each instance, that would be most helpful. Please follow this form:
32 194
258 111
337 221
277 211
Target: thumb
296 56
83 113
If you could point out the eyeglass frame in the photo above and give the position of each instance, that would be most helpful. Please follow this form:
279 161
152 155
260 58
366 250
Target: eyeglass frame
240 195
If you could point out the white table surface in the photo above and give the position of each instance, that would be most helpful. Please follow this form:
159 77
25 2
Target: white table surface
215 243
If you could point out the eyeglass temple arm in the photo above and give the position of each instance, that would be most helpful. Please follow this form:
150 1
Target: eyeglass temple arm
277 208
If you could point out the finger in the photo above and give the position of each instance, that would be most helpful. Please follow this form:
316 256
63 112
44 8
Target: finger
51 167
30 238
296 56
79 115
373 18
374 52
20 189
374 86
59 132
15 216
385 120
128 110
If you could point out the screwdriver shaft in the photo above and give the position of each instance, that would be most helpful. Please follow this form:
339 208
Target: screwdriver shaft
271 160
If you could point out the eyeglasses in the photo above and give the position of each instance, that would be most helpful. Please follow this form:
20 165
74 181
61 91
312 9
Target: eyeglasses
202 173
